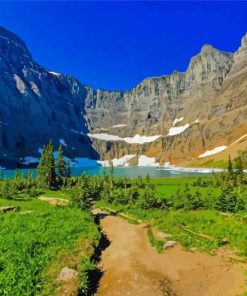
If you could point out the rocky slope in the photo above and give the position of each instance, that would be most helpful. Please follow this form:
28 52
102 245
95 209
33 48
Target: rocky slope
186 113
207 103
37 105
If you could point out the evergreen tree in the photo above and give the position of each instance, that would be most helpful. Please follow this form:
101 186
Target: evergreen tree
239 169
46 174
68 172
61 164
230 167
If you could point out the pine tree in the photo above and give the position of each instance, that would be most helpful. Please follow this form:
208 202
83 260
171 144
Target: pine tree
46 174
68 172
50 166
61 165
230 166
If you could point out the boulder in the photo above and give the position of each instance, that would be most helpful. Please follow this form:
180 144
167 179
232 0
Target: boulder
169 244
9 209
67 274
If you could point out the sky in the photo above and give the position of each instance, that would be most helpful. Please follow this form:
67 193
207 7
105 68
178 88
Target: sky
115 45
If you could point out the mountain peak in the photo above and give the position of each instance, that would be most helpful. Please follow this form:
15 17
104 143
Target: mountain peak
244 42
207 48
12 40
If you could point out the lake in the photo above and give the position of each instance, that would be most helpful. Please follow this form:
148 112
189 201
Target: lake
131 172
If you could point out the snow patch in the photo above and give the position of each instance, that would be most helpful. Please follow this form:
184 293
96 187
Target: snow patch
62 142
213 151
177 120
54 73
238 140
20 85
197 121
119 125
173 131
30 159
143 160
122 161
137 139
104 163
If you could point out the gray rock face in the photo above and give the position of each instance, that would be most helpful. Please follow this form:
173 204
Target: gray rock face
37 105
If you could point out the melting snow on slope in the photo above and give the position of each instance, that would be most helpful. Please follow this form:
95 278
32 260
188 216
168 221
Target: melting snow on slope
173 131
238 140
213 151
20 85
104 163
54 73
143 160
119 125
105 137
122 161
137 139
177 120
30 159
62 142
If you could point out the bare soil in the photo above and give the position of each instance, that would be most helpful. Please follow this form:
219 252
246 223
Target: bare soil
132 267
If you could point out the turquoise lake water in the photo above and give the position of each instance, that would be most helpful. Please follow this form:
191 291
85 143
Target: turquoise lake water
131 172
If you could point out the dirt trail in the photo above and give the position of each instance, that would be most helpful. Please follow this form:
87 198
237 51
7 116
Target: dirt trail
131 267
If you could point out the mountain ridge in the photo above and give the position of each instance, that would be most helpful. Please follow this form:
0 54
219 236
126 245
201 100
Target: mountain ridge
70 112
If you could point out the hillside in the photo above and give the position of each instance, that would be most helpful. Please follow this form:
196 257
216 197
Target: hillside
173 118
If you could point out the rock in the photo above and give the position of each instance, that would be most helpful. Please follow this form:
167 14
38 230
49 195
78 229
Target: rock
67 274
169 244
163 235
210 96
9 209
223 242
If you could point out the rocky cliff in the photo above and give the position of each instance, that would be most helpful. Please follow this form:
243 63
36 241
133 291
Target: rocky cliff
173 118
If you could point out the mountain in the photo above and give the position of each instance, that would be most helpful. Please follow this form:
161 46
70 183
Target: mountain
174 118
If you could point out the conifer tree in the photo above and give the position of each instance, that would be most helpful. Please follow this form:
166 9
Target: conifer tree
230 166
61 164
46 174
68 172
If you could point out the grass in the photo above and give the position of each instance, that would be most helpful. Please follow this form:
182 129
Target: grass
56 194
224 229
157 244
38 241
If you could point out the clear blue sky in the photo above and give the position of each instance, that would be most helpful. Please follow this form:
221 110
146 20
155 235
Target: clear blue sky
115 45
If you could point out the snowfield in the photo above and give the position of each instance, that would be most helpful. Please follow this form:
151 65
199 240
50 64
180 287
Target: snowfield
119 125
62 142
30 159
213 151
177 120
238 140
143 160
137 139
122 161
173 131
54 73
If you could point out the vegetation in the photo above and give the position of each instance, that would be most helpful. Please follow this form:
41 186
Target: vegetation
35 239
200 212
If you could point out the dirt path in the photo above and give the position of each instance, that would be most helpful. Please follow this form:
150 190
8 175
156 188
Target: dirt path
131 267
54 201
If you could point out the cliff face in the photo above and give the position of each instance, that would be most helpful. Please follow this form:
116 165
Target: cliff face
37 105
209 98
200 109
